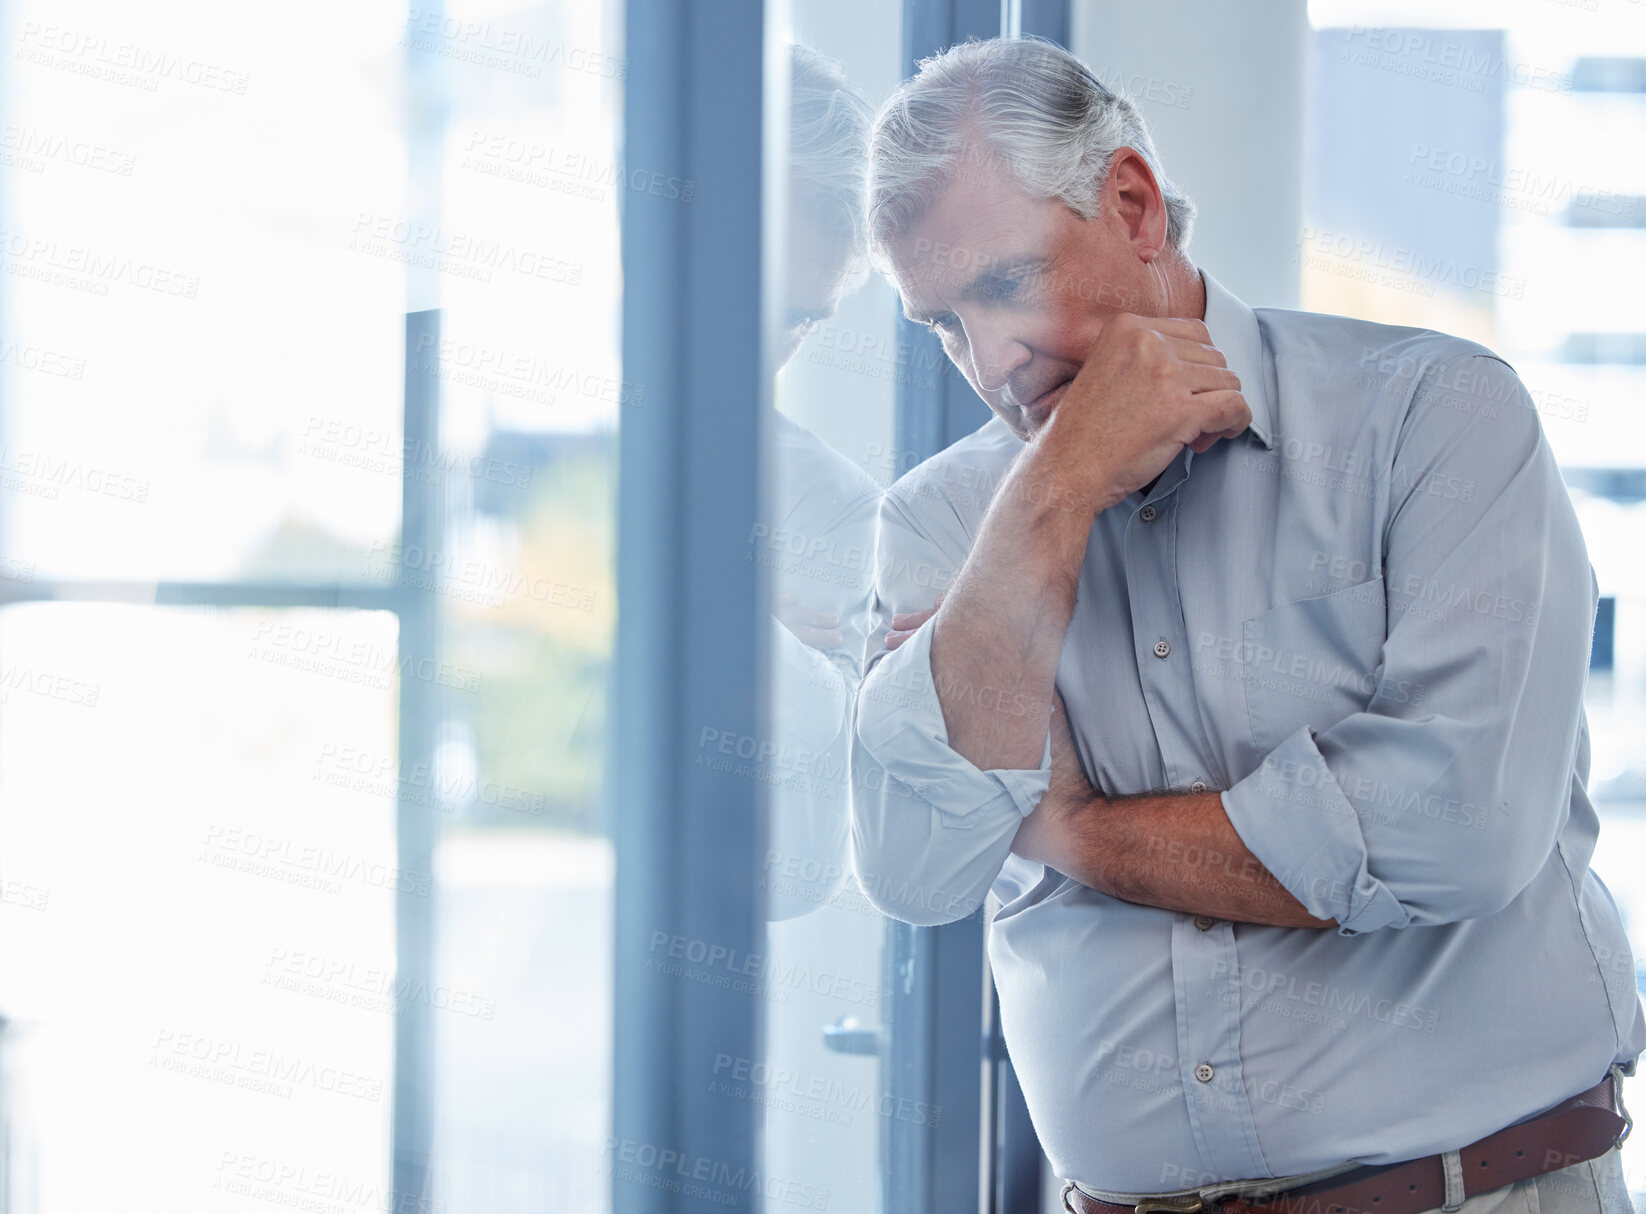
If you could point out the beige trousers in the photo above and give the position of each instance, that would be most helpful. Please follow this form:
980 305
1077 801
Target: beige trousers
1584 1188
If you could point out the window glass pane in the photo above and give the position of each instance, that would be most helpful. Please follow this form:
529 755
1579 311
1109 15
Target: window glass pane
520 169
203 292
1491 202
819 1081
197 929
319 182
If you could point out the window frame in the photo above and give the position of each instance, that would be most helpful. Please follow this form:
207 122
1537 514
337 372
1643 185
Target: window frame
689 649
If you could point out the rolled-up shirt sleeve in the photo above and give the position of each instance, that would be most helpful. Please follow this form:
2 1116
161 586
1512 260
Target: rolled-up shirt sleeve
1442 799
929 830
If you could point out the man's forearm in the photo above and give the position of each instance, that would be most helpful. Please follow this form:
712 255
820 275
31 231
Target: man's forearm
997 638
1175 851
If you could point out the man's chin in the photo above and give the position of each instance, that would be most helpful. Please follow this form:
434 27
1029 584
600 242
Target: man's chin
1039 411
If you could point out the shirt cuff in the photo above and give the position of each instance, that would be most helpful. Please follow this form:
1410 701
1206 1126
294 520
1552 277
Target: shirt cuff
900 724
1293 817
809 695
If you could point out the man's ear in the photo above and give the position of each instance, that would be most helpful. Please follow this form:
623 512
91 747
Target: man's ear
1131 197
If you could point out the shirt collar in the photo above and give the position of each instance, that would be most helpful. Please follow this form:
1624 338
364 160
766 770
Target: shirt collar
1234 330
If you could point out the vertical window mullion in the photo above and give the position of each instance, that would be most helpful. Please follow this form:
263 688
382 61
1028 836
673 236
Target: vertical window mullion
690 639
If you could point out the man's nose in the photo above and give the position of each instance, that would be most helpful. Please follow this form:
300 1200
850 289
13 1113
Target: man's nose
996 352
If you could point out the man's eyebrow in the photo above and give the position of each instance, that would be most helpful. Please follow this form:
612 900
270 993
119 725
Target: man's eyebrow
1006 269
993 273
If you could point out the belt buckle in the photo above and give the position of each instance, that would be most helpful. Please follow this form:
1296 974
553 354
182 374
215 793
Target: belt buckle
1617 1105
1168 1205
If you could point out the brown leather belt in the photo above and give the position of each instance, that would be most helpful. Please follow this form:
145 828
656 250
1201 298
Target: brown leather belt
1584 1127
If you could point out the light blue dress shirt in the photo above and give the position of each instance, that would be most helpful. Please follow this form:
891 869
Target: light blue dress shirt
1366 622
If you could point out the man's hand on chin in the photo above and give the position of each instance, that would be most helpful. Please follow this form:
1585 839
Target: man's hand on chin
1044 836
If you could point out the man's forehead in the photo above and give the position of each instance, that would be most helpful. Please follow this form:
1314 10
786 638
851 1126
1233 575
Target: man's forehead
975 227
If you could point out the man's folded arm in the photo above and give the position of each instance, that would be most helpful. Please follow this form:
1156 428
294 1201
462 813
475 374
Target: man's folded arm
1441 800
930 831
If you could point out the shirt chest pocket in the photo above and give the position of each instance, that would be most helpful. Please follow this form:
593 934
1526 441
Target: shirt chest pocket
1312 662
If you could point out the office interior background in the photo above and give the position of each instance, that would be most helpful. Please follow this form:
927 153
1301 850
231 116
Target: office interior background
384 419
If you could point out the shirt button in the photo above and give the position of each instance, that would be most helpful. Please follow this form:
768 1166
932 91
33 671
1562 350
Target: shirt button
1198 786
1203 1072
1162 648
1204 922
1147 514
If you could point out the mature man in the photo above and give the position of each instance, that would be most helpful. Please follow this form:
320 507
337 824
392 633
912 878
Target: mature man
1304 598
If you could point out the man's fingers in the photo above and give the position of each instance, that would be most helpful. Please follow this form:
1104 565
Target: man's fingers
1191 351
908 621
1223 410
1206 378
1180 326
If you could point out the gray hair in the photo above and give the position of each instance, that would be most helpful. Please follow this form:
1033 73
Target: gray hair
828 147
1025 105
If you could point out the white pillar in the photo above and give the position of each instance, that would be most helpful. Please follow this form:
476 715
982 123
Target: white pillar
1221 86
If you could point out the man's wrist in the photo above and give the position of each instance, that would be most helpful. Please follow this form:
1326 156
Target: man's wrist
1047 835
1073 487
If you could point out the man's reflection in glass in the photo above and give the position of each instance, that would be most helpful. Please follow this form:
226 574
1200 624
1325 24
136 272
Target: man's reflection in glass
817 534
